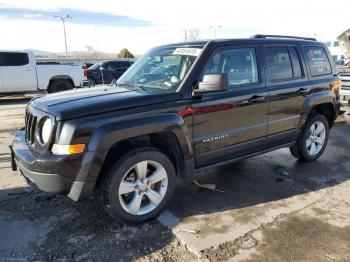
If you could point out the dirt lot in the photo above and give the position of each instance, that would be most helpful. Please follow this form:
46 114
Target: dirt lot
273 208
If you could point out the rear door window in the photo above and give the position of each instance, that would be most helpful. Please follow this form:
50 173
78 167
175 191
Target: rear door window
279 63
13 59
318 61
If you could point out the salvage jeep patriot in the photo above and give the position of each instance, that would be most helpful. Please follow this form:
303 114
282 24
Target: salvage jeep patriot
180 109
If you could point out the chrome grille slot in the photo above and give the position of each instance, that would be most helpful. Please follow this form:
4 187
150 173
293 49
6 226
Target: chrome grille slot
26 122
30 125
32 129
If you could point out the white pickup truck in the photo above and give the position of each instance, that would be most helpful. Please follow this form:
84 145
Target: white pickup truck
345 90
19 72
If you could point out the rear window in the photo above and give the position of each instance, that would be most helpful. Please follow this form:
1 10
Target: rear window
97 65
13 59
318 61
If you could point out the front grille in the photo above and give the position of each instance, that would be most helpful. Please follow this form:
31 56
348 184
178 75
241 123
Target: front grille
30 126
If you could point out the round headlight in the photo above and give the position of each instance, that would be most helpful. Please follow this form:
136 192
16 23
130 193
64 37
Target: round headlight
46 130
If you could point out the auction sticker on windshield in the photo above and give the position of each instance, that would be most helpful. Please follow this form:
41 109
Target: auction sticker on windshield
187 51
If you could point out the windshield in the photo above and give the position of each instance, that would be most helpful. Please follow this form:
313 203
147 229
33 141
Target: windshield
161 69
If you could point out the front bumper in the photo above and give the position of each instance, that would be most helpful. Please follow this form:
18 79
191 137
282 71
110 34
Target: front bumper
44 172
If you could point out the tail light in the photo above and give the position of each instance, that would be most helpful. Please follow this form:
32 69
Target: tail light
336 86
85 72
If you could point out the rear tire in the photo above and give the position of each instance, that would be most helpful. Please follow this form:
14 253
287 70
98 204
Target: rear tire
60 85
92 82
313 140
139 185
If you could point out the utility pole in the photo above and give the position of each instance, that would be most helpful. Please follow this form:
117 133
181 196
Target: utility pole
63 19
185 35
215 28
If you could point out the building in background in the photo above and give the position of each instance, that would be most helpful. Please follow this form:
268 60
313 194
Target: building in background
336 51
344 40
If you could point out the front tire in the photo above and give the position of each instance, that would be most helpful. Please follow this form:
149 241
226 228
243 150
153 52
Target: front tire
139 185
313 140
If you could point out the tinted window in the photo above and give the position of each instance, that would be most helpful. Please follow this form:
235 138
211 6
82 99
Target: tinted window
124 64
13 59
239 64
279 63
318 61
117 65
96 66
297 72
112 65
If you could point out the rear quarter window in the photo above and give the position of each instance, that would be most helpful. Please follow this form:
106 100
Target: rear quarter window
318 61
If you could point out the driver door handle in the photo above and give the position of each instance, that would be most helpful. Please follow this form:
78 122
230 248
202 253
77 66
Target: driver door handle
256 99
303 91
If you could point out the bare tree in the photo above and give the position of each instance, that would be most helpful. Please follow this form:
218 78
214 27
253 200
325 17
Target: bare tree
192 35
90 49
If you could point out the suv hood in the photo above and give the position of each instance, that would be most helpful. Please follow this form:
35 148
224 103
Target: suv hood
88 101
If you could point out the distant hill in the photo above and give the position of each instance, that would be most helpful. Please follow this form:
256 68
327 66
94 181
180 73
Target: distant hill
39 54
78 57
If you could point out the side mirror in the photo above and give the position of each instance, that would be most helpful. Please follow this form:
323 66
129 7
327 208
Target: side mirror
101 68
212 83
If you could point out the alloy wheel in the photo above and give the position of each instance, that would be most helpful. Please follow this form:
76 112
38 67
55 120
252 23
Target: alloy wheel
316 138
143 187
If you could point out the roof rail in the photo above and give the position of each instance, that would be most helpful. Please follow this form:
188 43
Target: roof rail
283 36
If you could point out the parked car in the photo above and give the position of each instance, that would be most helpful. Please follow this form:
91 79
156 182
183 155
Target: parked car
228 100
105 72
19 72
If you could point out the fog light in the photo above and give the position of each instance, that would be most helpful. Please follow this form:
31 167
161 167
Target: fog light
68 149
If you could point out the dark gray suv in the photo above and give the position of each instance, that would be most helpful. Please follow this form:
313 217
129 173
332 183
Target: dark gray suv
180 109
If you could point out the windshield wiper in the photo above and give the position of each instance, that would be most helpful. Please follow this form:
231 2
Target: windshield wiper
133 85
140 86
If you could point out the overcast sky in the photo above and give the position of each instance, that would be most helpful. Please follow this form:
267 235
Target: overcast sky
109 25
